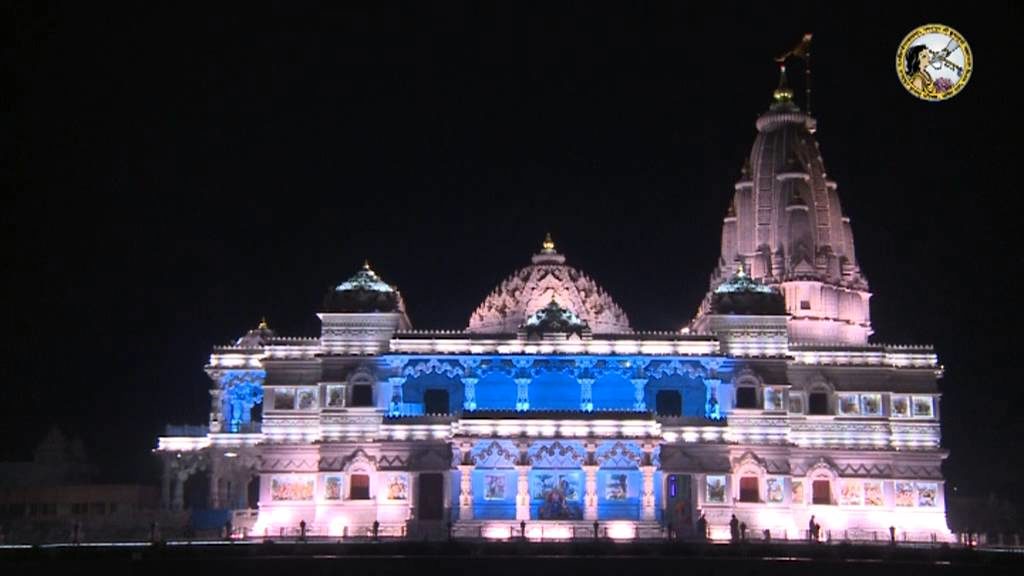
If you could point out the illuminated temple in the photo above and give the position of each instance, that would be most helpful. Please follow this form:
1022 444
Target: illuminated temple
550 411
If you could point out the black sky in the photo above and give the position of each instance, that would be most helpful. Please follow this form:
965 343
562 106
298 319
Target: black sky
179 170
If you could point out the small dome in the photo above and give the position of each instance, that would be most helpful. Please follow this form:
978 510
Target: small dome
744 295
258 337
364 292
534 287
555 319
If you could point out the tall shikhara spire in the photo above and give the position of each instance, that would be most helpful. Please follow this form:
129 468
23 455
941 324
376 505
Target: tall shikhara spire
785 226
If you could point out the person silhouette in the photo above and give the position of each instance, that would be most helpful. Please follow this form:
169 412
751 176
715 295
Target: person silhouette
734 529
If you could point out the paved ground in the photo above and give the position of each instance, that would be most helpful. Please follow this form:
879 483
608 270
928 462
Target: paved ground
505 558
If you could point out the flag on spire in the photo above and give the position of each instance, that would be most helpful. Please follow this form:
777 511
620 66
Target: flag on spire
801 50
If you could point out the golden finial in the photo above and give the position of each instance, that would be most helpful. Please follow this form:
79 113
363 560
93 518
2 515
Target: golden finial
366 264
782 93
263 324
549 244
740 271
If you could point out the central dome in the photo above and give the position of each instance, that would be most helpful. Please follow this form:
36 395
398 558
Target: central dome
534 287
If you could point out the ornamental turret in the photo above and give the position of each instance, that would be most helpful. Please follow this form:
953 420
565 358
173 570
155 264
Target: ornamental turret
364 311
786 228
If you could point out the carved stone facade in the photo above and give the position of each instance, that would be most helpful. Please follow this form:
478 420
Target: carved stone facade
574 419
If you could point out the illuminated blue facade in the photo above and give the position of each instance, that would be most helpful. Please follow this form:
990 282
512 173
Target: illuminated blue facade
550 412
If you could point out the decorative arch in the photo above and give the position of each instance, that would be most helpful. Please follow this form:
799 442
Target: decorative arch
619 455
362 375
496 454
819 473
817 385
749 478
359 461
557 455
449 368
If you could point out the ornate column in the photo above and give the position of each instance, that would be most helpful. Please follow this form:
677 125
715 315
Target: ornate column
586 394
523 394
638 393
214 497
414 490
712 406
469 393
590 483
590 493
523 492
647 497
165 486
523 484
466 491
178 503
216 408
395 406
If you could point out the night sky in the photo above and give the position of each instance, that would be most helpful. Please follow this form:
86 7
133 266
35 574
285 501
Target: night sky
180 170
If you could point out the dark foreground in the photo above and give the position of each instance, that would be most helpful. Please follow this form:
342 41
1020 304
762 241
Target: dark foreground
506 558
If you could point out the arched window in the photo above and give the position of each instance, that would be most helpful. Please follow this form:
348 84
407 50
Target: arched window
669 403
362 395
821 492
435 401
359 487
746 397
749 491
817 403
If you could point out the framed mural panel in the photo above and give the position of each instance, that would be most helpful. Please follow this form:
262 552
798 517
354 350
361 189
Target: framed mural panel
284 399
922 406
873 494
797 492
494 487
871 404
851 493
900 407
774 489
335 396
307 399
715 486
926 492
291 488
396 487
333 488
773 399
616 487
904 494
849 405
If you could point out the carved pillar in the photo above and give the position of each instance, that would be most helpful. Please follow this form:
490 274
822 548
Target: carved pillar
214 498
466 491
395 406
165 486
590 492
590 482
216 407
647 497
523 492
523 394
178 503
712 407
469 393
414 490
638 393
586 394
